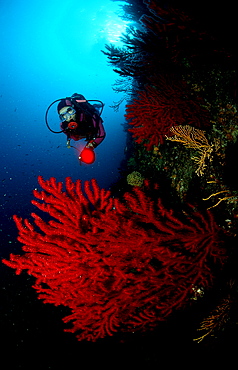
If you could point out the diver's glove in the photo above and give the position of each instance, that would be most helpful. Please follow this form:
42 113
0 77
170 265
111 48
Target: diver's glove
91 144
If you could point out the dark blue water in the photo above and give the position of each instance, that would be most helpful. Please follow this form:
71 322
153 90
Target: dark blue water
49 50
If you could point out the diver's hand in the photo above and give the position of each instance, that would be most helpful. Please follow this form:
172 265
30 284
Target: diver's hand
91 145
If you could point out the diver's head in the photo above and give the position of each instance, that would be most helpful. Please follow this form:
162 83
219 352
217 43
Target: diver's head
66 111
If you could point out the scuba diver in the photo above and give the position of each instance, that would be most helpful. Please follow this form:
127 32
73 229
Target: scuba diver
81 120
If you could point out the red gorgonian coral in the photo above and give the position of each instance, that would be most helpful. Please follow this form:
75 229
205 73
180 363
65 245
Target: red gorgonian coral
160 107
117 264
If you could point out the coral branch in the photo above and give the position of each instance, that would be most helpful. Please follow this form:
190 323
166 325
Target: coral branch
194 138
117 264
159 108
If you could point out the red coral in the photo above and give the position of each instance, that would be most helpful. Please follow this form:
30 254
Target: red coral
180 37
116 264
171 28
160 107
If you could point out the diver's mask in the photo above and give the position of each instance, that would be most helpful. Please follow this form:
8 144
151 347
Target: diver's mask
67 115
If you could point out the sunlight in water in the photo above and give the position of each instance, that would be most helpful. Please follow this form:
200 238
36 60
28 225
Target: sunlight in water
111 25
114 29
